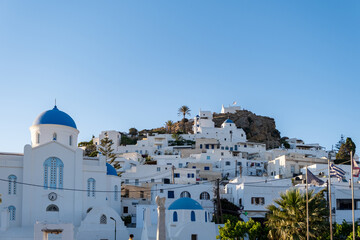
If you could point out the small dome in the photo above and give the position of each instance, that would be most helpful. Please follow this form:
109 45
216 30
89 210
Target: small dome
110 170
55 116
228 121
185 203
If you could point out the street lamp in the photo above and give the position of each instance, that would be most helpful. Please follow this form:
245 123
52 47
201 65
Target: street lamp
115 225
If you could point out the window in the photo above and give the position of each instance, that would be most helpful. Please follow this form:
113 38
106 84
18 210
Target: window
207 146
54 167
205 216
258 200
152 180
208 157
141 194
222 153
136 182
185 194
169 164
54 136
231 148
204 196
52 208
38 138
158 169
222 148
345 204
91 187
227 163
292 170
239 163
176 175
12 211
236 147
12 184
175 217
200 146
116 193
192 216
180 165
194 237
171 194
206 168
70 140
125 209
194 167
161 190
226 148
103 219
126 181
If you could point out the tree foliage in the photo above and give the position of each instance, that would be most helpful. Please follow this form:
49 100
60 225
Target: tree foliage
343 155
240 229
169 125
106 149
287 220
184 111
133 132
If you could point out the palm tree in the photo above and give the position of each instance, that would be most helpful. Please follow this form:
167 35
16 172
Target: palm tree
184 110
287 221
169 124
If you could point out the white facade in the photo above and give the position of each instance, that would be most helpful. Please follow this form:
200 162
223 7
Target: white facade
51 187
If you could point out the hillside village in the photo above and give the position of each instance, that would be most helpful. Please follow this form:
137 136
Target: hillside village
231 158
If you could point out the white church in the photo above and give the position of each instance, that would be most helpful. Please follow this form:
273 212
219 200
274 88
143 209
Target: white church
52 192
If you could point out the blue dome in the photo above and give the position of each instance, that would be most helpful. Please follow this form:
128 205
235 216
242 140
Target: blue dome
228 121
55 116
110 170
185 203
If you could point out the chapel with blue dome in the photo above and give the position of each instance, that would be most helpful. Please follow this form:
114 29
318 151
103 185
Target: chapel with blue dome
228 121
55 116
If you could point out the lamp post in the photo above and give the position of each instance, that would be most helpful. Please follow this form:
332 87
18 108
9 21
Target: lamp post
115 225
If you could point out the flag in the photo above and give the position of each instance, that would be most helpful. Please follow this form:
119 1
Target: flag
356 169
336 171
312 179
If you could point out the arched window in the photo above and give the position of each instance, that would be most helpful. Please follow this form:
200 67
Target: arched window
12 184
38 138
91 187
175 217
70 140
52 208
116 192
54 136
54 167
12 211
89 209
192 216
103 219
204 196
185 194
205 216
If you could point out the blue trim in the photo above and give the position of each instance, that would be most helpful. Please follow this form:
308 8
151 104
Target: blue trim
110 170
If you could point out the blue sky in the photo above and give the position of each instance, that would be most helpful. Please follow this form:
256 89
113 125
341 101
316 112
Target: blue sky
122 64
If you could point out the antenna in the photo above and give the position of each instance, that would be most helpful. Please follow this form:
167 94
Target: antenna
55 102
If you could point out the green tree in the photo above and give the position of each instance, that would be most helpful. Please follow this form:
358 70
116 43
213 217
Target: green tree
106 149
169 125
287 220
339 143
184 110
133 132
239 230
343 155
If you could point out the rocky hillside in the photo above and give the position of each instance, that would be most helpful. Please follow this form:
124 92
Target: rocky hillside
257 128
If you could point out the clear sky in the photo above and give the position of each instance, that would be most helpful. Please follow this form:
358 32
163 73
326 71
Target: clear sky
121 64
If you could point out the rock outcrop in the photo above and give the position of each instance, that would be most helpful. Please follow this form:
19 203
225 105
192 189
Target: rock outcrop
257 128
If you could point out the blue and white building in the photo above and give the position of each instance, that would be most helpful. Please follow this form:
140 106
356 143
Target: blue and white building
51 188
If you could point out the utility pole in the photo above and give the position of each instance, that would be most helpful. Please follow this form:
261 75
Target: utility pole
307 206
173 174
329 194
352 193
219 210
